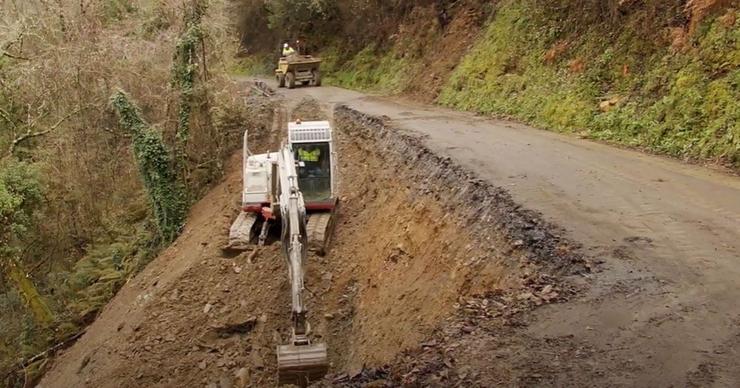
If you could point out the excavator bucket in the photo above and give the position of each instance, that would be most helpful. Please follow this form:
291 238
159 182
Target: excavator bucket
301 364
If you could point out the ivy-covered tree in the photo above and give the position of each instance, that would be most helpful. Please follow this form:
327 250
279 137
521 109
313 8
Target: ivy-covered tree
166 193
185 65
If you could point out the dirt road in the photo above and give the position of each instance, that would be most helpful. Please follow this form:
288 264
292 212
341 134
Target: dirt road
663 308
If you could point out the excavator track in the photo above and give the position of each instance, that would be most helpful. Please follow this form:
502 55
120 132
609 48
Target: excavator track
241 232
319 229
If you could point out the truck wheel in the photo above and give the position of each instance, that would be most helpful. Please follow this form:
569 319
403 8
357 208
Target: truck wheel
290 80
317 78
280 80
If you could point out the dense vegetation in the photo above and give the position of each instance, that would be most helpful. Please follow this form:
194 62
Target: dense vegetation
660 75
677 96
114 117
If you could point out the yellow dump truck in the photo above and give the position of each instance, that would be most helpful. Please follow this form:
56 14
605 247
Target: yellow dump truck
293 69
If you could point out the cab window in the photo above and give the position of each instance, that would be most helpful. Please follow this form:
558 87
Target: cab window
314 170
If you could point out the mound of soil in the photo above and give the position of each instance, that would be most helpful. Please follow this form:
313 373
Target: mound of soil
427 262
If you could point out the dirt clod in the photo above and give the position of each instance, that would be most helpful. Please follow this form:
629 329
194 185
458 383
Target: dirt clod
243 327
242 377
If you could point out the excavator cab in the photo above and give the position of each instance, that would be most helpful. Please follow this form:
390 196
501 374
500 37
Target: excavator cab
312 146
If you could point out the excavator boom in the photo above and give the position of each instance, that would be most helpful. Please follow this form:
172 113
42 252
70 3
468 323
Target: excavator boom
300 361
272 192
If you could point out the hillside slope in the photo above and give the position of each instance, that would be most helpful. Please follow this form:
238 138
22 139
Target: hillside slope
440 276
115 116
663 76
198 316
128 327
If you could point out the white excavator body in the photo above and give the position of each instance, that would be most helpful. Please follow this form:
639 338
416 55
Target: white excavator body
258 179
313 148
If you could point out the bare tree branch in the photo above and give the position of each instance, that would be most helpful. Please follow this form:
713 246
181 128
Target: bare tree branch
39 264
18 40
47 353
30 134
6 116
9 55
32 123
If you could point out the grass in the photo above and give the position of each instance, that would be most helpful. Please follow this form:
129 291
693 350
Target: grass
682 103
621 80
253 65
372 69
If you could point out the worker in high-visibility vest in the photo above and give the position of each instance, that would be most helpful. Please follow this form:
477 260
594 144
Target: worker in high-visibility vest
305 155
287 50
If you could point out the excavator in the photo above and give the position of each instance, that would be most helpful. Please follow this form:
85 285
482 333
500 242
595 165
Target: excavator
295 187
313 148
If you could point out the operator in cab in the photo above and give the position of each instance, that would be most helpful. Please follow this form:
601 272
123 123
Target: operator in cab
311 157
309 154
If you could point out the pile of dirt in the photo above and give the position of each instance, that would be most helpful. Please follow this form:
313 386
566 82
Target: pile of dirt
428 261
308 109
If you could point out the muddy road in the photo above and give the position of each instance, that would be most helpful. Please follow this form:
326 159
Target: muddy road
662 309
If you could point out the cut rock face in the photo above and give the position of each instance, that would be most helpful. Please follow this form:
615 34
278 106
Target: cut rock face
416 234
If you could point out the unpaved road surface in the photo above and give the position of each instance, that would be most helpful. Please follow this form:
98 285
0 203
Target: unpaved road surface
663 309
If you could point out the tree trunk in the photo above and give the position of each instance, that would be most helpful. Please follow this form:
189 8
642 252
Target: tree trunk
22 283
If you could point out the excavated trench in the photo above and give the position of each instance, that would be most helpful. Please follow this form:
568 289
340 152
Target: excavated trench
416 236
420 245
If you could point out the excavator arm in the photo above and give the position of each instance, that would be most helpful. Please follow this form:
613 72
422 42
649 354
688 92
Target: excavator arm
300 361
293 215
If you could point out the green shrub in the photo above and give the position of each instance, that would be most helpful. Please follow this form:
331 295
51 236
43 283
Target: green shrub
20 195
117 9
370 69
683 103
292 18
